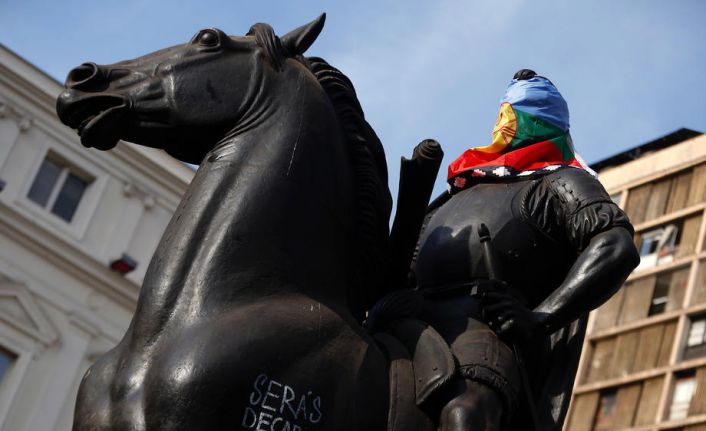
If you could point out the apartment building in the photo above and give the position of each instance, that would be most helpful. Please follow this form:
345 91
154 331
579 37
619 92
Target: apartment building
644 359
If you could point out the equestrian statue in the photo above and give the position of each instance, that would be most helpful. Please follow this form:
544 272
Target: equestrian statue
278 297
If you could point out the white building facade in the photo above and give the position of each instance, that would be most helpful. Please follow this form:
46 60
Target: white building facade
67 214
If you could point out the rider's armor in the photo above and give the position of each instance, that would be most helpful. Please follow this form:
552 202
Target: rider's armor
538 227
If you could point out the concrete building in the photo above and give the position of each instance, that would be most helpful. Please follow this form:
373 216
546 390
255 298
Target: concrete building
67 214
644 360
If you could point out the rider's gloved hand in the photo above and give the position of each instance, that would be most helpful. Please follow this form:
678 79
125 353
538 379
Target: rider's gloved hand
509 318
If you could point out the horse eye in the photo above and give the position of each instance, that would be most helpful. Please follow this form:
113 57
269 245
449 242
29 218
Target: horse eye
208 38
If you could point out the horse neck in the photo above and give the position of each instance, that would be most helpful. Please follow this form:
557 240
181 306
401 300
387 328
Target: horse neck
268 212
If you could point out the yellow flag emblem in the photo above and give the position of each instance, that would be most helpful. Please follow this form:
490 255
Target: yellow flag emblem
504 130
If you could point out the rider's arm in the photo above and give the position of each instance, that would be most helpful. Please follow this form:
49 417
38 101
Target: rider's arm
574 210
597 274
600 232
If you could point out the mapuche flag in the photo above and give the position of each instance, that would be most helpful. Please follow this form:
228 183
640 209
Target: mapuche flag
530 138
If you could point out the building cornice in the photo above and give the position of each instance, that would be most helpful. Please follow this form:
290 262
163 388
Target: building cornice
73 261
654 164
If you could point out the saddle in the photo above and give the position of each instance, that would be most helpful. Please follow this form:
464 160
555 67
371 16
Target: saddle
421 361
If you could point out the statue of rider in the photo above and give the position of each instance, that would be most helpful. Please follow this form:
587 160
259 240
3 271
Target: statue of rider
510 261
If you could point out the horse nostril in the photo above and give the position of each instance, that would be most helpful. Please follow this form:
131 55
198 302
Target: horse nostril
85 76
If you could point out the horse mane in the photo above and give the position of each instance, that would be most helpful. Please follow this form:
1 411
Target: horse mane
373 200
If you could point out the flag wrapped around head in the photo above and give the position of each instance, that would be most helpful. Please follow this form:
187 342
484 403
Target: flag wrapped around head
530 138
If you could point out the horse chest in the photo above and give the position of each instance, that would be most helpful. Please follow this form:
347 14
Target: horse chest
270 365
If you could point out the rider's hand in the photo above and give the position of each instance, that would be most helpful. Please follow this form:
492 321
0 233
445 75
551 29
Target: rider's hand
509 318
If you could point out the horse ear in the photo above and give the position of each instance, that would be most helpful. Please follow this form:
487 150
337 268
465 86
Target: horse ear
300 39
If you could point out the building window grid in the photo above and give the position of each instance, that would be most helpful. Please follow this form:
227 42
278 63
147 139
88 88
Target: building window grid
684 389
58 188
697 332
681 385
695 344
660 298
657 246
606 410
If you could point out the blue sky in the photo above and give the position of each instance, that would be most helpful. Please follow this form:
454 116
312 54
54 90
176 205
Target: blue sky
631 71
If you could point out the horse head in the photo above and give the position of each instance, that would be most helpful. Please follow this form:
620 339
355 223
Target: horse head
278 245
285 126
184 99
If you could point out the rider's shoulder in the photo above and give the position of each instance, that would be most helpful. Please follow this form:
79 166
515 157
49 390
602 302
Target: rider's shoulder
575 187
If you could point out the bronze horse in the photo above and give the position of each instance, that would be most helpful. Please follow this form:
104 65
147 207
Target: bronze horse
249 312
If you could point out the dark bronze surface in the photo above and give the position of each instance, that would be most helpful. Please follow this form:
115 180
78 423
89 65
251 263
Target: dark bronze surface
555 248
250 313
245 319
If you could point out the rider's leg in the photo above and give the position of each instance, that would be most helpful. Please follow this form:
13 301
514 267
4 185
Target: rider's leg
475 407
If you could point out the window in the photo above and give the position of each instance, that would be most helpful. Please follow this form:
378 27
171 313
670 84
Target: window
6 360
684 389
606 409
696 340
657 246
58 188
668 293
660 297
